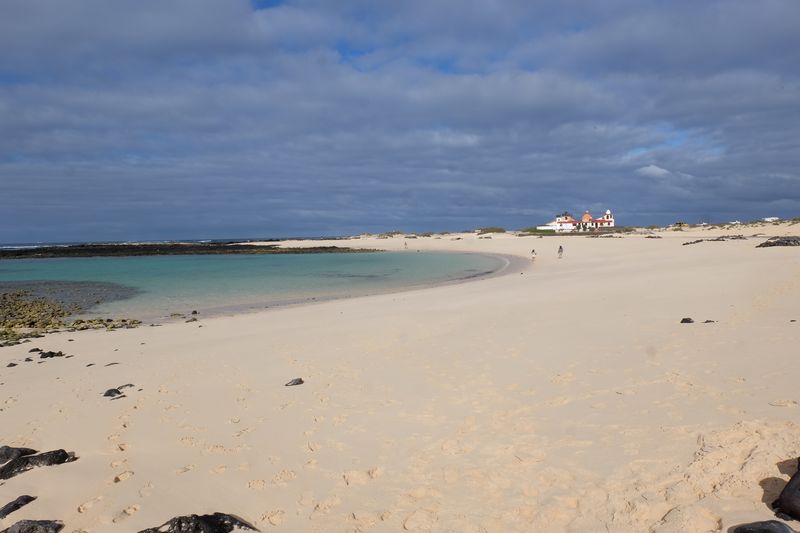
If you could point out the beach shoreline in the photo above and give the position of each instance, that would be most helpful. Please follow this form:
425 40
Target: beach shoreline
565 397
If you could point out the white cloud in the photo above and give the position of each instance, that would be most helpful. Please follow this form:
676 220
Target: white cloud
653 171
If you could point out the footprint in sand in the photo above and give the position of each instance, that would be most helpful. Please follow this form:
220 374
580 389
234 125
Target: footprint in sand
122 446
563 379
274 518
284 476
256 484
84 507
219 469
122 476
186 468
324 506
117 463
420 520
783 403
361 477
125 513
146 490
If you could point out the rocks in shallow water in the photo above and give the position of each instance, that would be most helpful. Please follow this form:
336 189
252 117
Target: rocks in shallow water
295 381
17 504
208 523
770 526
687 320
780 241
788 503
22 464
35 526
7 453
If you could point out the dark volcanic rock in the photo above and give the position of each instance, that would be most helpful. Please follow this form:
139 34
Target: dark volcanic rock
17 504
788 503
49 355
112 393
770 526
35 526
22 464
687 320
34 350
295 381
7 453
780 241
216 523
11 365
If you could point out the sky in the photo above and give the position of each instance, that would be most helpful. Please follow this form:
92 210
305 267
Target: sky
160 119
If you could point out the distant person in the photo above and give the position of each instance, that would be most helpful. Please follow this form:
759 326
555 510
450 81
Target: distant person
405 244
560 252
533 255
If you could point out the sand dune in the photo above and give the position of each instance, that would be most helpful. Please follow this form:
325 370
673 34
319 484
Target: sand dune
563 396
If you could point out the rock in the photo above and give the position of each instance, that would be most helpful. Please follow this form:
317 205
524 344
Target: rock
216 523
687 320
17 504
28 360
50 355
28 462
780 241
112 393
193 319
770 526
7 453
295 381
34 350
788 503
194 312
709 321
35 526
11 365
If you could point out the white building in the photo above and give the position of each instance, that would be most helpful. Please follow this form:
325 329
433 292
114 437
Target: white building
566 223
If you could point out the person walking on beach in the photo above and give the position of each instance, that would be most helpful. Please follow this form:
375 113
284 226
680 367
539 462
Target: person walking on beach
560 252
533 254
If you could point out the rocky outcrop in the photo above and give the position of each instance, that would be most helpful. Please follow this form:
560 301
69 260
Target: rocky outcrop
216 523
780 241
35 526
17 504
7 453
22 464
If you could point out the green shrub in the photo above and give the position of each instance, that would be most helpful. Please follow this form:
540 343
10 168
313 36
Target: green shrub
490 229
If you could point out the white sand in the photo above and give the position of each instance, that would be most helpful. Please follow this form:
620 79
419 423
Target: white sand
566 397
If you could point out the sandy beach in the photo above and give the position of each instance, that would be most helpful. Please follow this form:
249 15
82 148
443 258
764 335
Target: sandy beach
562 396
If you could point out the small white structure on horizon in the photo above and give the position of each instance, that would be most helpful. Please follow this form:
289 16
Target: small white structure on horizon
566 223
771 219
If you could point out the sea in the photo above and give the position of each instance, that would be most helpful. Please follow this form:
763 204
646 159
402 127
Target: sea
155 287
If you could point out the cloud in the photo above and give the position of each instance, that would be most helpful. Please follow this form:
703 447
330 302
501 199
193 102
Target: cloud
653 171
212 118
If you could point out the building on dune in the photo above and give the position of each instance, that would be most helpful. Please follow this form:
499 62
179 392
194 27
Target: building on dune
565 222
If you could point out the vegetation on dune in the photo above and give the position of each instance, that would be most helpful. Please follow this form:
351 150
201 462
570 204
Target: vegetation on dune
490 229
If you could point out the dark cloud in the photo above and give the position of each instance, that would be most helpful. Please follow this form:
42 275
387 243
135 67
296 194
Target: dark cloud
212 118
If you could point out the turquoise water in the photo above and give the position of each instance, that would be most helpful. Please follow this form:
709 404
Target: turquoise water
224 283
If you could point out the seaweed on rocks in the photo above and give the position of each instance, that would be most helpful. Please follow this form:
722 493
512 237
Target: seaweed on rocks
216 523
